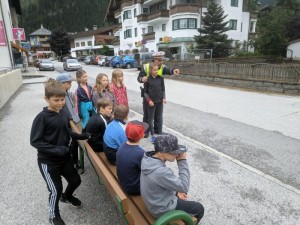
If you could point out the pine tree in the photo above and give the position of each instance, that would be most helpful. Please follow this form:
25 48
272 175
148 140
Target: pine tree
212 33
59 42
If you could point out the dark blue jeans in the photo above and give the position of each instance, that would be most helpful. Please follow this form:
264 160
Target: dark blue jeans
193 208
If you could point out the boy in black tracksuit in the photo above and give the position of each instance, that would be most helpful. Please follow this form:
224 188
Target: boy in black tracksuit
51 135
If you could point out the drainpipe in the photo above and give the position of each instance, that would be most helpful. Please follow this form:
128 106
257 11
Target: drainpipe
291 52
8 42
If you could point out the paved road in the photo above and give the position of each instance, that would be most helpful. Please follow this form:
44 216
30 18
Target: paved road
242 172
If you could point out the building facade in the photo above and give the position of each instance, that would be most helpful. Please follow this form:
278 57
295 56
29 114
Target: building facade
90 42
170 25
40 43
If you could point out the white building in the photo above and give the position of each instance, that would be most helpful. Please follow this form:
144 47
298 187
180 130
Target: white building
170 25
293 50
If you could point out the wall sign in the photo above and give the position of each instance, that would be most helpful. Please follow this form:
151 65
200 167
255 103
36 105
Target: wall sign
2 34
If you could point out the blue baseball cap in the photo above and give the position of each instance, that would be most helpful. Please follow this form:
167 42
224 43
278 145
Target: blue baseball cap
64 77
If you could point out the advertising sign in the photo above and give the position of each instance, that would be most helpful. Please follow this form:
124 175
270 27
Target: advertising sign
26 45
18 33
2 34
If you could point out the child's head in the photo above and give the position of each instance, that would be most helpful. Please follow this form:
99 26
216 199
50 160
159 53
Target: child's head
65 80
54 95
81 77
167 146
153 69
104 106
117 77
135 130
121 112
102 81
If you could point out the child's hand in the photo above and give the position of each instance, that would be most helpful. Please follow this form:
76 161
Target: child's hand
181 156
182 196
151 103
144 79
164 100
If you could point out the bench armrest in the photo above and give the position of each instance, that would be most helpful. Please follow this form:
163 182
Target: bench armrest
174 215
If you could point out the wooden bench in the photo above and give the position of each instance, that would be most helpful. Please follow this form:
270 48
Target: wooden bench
132 208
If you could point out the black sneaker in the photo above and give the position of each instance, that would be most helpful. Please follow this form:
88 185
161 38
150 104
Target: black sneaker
72 200
146 135
56 221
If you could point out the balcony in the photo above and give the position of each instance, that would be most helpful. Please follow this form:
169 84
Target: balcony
149 36
126 3
164 13
116 42
117 13
174 9
118 27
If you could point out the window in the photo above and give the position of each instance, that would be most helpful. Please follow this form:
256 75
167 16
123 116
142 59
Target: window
127 15
233 24
150 29
235 3
135 32
184 24
163 27
89 43
145 10
82 44
162 6
127 33
252 27
134 12
77 44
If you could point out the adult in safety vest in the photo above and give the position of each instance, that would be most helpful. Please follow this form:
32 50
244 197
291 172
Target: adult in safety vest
158 59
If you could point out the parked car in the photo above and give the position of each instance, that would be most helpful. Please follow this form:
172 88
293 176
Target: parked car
81 58
128 62
108 60
46 64
101 62
142 58
72 64
116 61
88 60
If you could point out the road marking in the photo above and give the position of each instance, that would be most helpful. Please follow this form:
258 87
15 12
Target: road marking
220 154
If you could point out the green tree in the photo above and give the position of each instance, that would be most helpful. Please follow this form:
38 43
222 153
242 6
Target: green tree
59 42
272 29
212 33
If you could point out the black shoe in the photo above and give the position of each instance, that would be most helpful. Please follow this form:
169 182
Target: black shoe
146 135
72 200
56 221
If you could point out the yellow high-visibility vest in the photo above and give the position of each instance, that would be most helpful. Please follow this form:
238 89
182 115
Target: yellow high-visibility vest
147 69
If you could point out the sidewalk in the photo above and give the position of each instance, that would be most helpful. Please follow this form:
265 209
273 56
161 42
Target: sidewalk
24 195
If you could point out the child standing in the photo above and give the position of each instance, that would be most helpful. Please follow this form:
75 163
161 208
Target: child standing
129 158
98 123
154 92
84 97
102 89
161 190
118 88
50 135
66 82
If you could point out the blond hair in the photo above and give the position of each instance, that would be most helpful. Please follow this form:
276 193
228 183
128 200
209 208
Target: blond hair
115 75
98 83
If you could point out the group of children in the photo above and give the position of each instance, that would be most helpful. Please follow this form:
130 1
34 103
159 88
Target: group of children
104 110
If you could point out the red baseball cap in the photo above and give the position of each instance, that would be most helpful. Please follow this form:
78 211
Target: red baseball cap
135 130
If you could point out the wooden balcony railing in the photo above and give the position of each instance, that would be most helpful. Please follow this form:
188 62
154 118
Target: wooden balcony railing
164 13
117 13
116 42
174 9
149 36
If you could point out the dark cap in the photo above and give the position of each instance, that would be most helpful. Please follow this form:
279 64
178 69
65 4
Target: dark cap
168 143
64 77
135 130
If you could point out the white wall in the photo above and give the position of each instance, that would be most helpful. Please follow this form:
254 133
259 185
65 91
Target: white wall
5 51
295 47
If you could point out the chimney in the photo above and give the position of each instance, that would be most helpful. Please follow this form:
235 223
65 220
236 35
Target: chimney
86 29
94 27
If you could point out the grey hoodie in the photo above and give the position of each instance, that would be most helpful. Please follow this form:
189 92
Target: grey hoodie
159 184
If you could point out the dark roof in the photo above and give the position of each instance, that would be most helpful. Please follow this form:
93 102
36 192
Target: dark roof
102 30
41 31
294 41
